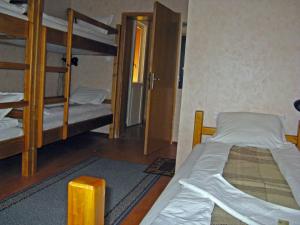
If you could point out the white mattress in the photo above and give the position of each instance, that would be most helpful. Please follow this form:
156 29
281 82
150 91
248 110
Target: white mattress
10 133
179 204
95 34
53 117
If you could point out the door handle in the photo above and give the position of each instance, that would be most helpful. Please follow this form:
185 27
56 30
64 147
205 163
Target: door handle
152 80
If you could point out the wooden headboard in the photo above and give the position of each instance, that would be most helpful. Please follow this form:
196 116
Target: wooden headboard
200 129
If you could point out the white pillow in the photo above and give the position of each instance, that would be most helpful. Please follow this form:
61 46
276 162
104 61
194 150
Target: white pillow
85 95
9 97
249 129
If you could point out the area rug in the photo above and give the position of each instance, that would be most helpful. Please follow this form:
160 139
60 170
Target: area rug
162 166
46 202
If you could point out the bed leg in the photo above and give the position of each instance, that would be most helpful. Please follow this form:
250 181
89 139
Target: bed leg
86 201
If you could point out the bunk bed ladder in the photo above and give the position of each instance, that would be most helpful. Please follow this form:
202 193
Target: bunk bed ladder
115 83
68 73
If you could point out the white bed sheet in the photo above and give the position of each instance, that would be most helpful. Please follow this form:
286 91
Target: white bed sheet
10 133
59 24
7 122
173 188
54 116
201 163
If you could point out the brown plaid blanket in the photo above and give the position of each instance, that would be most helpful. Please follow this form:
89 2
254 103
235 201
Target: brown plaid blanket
255 172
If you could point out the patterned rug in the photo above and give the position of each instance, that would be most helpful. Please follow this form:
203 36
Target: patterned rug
46 202
162 166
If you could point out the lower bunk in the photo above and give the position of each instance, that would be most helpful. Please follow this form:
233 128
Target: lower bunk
82 118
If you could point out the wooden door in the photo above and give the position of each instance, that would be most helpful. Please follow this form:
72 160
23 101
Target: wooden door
162 78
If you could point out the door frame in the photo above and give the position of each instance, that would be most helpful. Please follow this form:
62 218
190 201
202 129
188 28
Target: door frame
121 90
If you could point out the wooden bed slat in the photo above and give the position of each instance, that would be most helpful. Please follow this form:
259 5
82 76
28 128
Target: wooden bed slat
55 69
89 20
7 105
16 114
55 134
11 147
54 100
60 38
88 125
91 45
13 26
13 66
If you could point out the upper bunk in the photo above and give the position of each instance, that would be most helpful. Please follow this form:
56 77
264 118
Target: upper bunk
90 36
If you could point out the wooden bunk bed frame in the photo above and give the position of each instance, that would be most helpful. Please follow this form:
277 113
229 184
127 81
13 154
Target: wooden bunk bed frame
28 30
200 129
37 37
69 40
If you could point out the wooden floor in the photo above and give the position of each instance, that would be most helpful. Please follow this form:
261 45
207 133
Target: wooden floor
61 156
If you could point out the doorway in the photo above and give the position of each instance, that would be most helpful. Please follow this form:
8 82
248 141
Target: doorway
147 75
137 82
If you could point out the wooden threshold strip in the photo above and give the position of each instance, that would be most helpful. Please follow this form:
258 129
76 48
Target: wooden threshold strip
55 69
13 66
54 100
16 113
7 105
87 19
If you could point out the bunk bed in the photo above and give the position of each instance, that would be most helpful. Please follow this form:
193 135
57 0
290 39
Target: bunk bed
72 38
55 35
13 139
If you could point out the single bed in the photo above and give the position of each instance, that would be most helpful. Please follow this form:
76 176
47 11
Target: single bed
196 193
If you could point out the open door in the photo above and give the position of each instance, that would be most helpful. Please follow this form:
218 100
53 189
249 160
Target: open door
162 78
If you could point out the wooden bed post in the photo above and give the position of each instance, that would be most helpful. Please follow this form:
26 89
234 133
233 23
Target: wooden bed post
86 201
198 125
68 73
114 83
32 57
41 87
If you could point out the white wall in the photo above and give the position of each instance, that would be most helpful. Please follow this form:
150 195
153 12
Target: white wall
57 8
241 56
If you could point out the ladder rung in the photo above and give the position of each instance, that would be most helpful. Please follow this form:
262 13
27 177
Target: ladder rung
7 105
16 113
55 69
54 100
13 66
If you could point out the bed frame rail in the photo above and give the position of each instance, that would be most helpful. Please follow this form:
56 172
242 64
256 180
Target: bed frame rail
13 27
200 129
